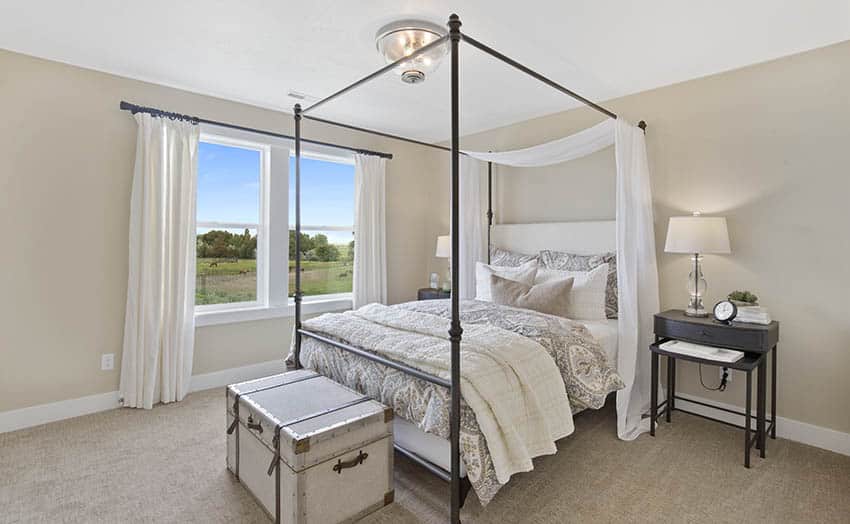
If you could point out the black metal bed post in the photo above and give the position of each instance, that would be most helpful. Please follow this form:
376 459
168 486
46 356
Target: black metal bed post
455 331
489 207
297 116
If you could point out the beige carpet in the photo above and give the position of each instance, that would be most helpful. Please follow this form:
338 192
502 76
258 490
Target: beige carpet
167 465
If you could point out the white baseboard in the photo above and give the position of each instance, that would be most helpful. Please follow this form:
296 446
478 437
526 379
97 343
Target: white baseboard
64 409
218 379
44 413
786 428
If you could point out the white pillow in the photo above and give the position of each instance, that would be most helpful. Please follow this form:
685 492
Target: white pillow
586 300
524 274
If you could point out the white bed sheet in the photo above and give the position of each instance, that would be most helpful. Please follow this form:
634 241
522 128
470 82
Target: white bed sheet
605 331
430 447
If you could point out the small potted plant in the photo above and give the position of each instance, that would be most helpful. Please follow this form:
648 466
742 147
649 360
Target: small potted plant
743 298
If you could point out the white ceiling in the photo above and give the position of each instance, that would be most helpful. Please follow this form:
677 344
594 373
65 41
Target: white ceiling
255 51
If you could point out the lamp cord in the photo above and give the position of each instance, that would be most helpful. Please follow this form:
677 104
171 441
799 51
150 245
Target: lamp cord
723 380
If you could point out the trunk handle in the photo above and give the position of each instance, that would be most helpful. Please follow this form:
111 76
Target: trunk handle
252 425
356 461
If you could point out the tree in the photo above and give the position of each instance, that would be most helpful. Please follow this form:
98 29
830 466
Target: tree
306 244
320 240
351 251
200 248
246 245
326 253
223 244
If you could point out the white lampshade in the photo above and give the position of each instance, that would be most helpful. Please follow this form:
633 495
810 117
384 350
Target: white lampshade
444 247
697 234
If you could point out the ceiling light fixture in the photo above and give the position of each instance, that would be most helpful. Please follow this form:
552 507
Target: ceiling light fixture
404 37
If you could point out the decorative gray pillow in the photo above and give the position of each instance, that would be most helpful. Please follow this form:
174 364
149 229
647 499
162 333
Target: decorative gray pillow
550 297
505 258
573 262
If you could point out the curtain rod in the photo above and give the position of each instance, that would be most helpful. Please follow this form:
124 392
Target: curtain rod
133 108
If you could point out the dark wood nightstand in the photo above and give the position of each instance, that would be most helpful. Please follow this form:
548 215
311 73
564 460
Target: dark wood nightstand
427 293
755 340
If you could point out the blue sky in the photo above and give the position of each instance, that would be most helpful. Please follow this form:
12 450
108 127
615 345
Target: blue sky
228 189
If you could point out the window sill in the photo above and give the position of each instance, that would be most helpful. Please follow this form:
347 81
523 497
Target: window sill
310 306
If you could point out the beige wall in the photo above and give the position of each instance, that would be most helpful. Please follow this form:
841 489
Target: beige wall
67 159
764 146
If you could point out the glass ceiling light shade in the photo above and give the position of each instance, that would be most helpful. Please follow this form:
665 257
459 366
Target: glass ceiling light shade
403 38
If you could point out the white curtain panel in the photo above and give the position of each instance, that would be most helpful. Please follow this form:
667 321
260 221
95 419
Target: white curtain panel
473 225
637 278
637 271
370 246
159 323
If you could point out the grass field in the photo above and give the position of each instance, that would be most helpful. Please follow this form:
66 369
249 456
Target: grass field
222 281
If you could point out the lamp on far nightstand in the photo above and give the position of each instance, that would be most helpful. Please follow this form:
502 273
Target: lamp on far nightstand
444 250
697 234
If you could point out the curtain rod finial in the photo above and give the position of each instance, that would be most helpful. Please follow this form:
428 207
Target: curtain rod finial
642 125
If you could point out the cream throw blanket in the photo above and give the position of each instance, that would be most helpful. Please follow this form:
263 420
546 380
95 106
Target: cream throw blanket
509 381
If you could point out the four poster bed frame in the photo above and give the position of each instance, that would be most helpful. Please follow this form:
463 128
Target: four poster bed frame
459 489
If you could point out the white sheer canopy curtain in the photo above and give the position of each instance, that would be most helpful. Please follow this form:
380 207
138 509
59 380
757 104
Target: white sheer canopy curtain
637 272
637 278
370 245
159 323
473 241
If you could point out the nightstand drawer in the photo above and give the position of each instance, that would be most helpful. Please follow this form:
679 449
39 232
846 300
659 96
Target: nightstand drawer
712 336
432 294
748 337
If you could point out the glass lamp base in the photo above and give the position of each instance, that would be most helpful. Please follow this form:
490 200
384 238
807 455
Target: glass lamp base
696 289
700 313
695 308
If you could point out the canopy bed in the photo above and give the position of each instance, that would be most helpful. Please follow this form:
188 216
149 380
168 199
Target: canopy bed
409 340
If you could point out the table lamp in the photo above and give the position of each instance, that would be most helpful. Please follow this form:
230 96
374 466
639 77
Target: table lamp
695 235
444 250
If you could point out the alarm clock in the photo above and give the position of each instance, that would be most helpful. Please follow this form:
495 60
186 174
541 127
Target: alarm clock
725 311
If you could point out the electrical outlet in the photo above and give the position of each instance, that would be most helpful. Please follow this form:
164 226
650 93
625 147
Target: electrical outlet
728 378
107 362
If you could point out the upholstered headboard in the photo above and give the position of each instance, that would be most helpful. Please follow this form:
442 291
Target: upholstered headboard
583 238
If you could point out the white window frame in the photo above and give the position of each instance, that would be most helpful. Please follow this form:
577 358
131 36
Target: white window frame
272 234
316 154
261 227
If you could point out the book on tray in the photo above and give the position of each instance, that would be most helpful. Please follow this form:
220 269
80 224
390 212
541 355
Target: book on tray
752 315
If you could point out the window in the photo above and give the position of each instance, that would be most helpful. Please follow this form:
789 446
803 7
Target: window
327 230
231 232
245 228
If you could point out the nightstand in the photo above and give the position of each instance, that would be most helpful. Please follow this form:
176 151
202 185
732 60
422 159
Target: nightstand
758 342
427 293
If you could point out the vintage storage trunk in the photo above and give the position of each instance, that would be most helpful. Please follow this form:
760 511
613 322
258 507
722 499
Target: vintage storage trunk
309 449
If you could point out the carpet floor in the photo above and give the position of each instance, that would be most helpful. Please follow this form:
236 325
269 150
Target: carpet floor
167 465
